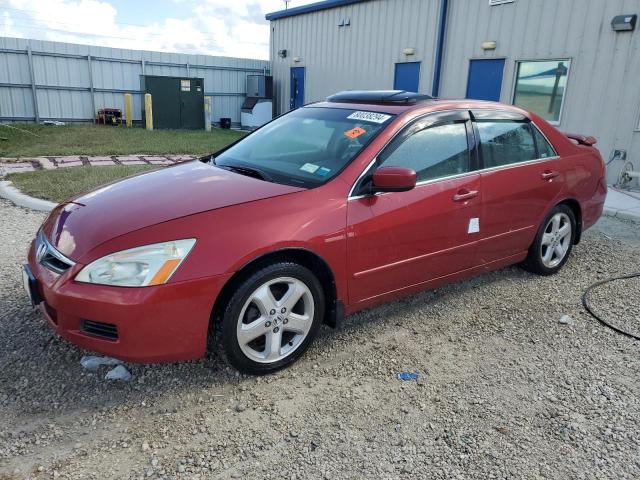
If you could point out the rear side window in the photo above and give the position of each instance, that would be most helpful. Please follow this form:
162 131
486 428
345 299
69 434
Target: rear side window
504 142
433 152
545 150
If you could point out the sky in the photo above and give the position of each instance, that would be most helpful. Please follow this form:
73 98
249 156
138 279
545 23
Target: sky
234 28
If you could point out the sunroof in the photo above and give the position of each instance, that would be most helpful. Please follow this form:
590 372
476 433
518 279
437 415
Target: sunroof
378 96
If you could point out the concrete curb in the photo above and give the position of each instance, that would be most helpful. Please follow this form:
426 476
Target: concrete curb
11 193
621 214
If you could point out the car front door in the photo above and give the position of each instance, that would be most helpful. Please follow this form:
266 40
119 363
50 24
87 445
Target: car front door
398 240
521 176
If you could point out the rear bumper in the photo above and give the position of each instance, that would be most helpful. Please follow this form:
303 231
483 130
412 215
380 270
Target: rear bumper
164 323
594 207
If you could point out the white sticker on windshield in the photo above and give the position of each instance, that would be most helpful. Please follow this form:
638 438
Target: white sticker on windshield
374 117
309 167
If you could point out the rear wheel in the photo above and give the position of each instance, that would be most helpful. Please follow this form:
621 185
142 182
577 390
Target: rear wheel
272 318
553 242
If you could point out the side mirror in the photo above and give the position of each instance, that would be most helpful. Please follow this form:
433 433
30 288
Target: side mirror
393 179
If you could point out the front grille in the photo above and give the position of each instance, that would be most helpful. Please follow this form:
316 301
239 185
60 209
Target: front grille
107 331
53 263
51 258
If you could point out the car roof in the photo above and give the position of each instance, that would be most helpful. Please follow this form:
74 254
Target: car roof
379 96
397 103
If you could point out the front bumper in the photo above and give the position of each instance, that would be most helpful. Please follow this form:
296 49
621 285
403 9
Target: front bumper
163 323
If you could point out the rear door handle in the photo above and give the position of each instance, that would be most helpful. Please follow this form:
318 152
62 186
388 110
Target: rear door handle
465 194
549 174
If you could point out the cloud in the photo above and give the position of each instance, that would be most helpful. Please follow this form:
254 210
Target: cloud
234 28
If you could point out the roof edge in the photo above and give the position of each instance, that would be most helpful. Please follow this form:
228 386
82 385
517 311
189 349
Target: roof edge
312 7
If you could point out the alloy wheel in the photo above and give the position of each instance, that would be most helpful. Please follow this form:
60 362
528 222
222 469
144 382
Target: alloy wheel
275 319
556 240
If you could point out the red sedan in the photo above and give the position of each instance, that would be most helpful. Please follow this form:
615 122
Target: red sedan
327 210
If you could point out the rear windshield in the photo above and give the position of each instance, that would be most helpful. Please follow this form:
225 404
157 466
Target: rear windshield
306 147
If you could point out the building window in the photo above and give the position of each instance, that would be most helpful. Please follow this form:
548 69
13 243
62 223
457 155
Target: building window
541 86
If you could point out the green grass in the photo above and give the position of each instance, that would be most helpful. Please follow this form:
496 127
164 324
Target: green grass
107 140
62 183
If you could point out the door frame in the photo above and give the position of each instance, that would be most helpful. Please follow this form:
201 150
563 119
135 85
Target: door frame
304 76
504 69
472 143
421 190
395 72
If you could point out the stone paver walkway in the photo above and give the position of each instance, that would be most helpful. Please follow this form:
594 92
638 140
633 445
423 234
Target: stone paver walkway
24 164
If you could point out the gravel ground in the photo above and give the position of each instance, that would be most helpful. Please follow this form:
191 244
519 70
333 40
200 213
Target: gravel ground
506 390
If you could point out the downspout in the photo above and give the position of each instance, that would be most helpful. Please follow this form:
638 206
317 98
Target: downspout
442 30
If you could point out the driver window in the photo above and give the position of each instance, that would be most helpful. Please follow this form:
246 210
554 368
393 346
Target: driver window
437 151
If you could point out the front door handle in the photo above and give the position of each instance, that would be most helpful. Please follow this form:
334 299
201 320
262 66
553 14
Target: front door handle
549 174
465 194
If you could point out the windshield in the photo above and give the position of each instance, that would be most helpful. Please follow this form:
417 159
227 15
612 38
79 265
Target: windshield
306 147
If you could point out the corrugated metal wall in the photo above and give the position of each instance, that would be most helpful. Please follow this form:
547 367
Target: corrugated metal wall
360 56
603 86
73 81
603 90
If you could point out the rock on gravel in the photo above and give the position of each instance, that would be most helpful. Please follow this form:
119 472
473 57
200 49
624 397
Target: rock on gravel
118 373
566 320
510 393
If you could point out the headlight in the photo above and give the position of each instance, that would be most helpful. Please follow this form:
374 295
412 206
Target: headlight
138 267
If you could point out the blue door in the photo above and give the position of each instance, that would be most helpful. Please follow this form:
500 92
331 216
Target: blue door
297 87
485 79
407 76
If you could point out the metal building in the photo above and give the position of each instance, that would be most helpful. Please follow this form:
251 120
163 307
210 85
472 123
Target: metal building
574 62
42 80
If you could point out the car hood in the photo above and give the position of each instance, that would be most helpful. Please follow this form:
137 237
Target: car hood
89 219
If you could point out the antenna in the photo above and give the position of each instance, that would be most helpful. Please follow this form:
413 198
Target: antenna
286 4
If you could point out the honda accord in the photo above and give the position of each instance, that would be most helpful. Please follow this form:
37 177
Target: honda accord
329 209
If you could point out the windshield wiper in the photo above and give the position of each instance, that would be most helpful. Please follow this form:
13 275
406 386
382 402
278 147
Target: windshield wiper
248 171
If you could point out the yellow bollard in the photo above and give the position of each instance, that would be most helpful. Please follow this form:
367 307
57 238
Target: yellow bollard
128 109
207 114
148 111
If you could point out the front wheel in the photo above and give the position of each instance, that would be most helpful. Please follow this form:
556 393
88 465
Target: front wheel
272 318
553 242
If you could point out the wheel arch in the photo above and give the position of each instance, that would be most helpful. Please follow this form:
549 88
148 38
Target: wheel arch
334 310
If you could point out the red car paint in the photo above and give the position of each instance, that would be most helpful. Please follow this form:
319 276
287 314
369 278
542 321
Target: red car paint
394 178
378 248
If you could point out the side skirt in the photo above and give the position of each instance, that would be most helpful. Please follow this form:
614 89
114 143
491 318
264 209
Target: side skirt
435 282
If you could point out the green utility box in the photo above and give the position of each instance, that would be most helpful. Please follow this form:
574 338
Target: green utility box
178 102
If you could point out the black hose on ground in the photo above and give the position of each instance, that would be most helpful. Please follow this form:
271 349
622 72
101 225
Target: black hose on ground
585 303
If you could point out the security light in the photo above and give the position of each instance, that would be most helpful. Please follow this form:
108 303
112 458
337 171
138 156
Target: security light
624 23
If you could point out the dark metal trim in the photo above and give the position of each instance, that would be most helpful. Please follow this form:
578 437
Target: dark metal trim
442 33
15 85
314 7
127 60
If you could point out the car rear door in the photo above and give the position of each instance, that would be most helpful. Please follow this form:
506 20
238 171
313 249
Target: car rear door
400 239
521 176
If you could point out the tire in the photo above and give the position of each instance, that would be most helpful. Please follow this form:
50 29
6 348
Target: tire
264 309
553 243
